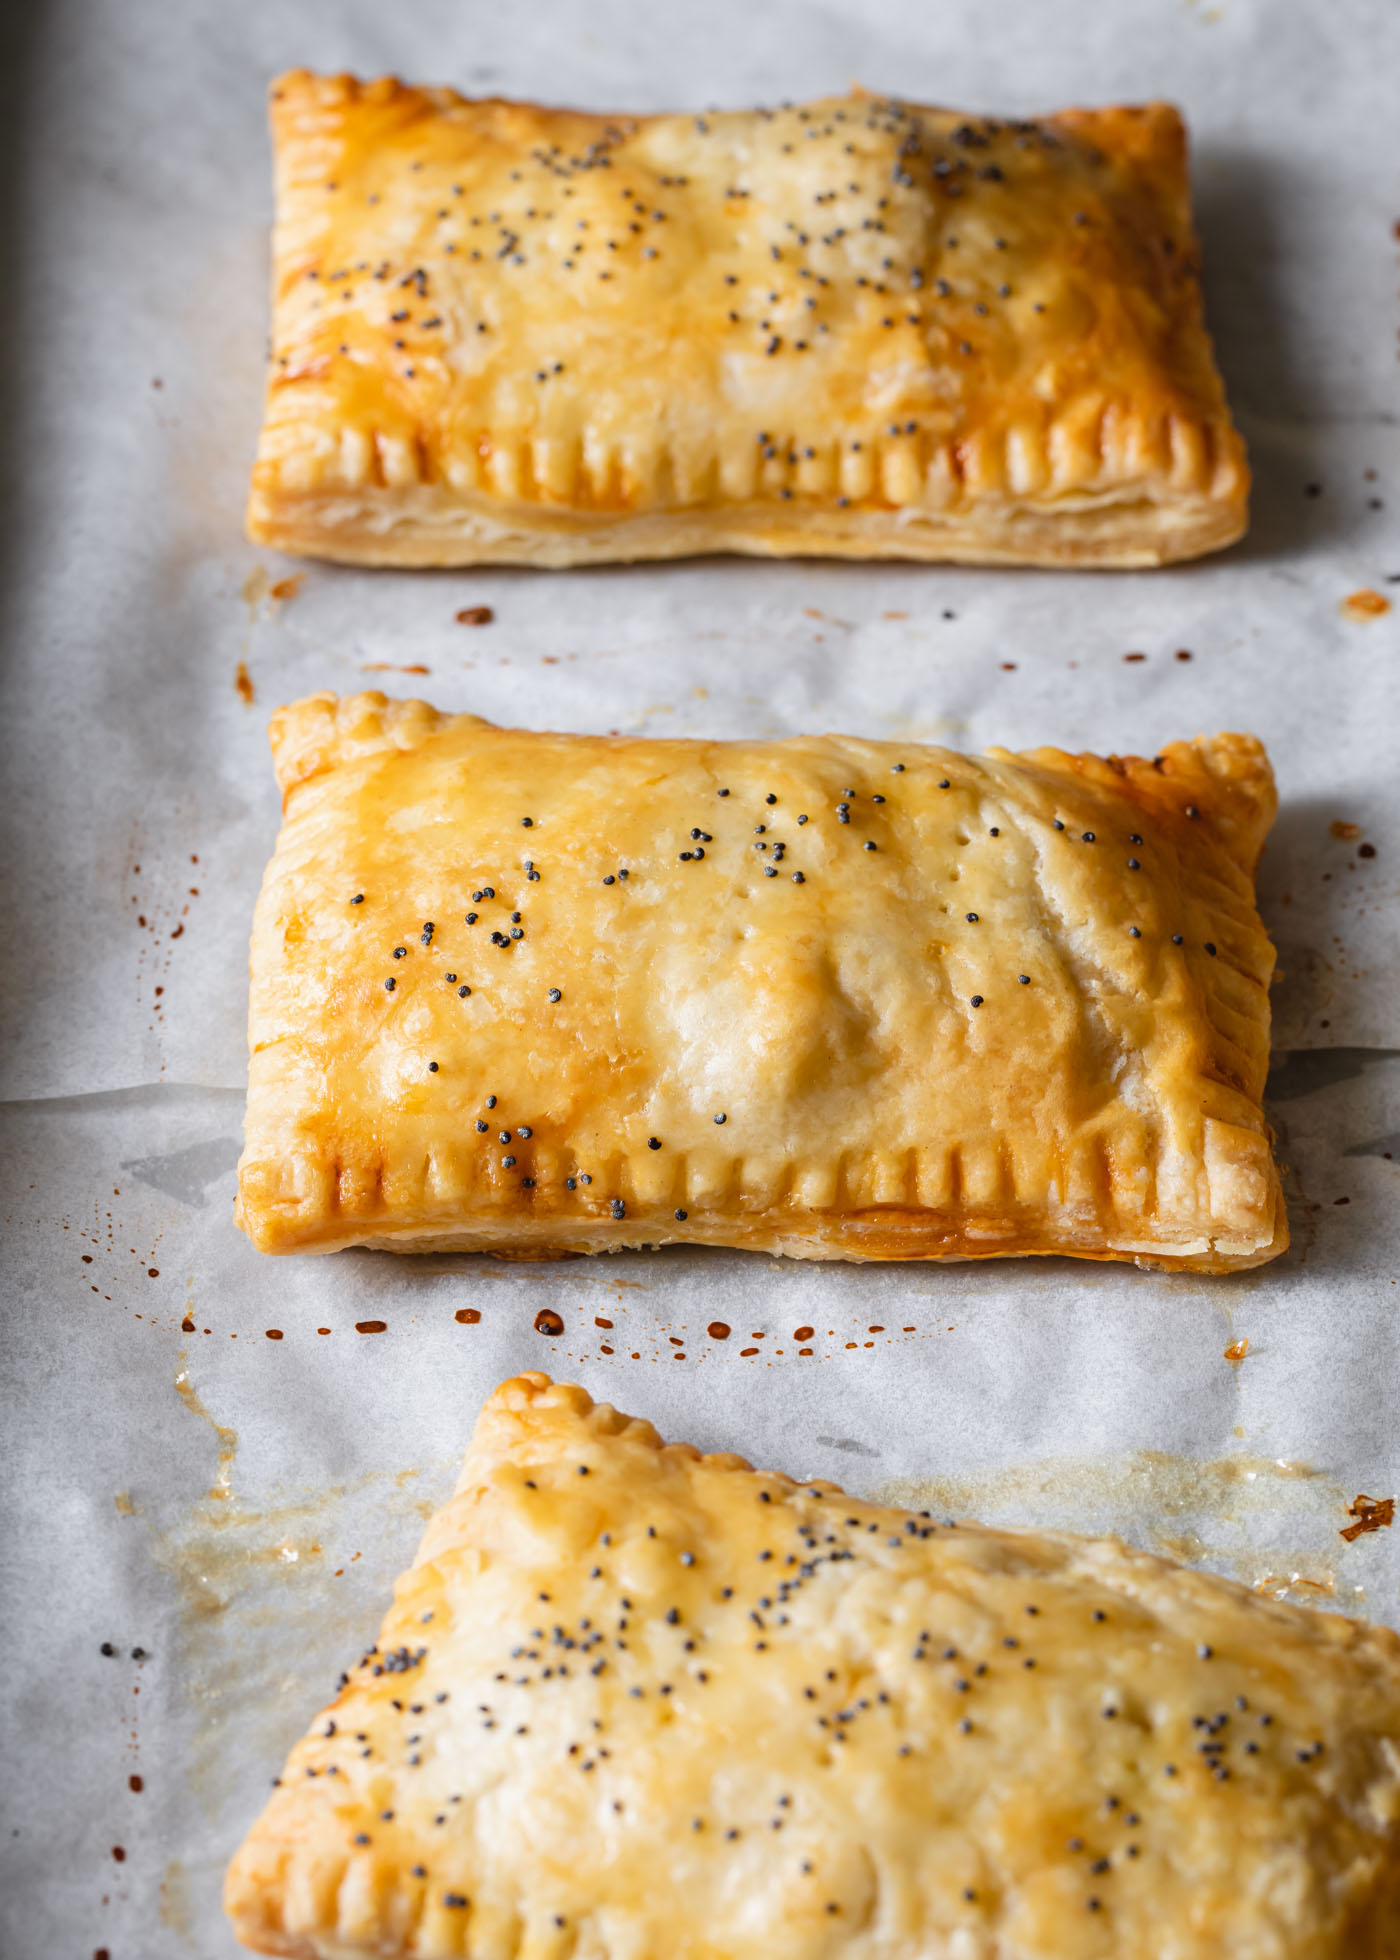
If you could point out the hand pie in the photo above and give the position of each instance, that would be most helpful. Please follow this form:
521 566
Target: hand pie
866 329
534 994
635 1701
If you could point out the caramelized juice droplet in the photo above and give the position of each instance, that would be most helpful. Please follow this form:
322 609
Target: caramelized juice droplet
719 1330
468 1316
371 1326
547 1321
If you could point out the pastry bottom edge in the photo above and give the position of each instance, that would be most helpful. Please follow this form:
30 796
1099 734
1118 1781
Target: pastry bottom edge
1120 533
846 1243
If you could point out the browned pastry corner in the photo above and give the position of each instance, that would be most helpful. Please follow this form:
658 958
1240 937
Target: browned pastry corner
862 328
529 993
635 1701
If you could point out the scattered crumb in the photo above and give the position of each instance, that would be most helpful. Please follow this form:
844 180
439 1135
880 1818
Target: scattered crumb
1342 830
286 588
475 616
243 684
1366 603
1371 1514
1237 1351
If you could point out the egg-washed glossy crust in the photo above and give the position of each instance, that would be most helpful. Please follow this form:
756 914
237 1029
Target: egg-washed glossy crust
504 334
631 1700
534 994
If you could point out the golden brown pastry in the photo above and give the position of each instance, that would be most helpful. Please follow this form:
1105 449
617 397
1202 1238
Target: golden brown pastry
863 328
532 993
635 1701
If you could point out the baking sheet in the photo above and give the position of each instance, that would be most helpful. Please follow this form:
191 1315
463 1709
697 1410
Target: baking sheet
234 1506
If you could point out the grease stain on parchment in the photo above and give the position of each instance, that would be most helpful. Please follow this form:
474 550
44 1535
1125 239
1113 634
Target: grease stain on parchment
175 1908
261 591
274 1598
1269 1522
222 1487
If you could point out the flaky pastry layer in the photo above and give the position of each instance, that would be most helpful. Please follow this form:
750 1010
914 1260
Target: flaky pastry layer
863 328
642 1704
532 994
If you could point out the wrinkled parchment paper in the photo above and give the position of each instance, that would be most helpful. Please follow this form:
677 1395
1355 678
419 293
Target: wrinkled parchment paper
226 1510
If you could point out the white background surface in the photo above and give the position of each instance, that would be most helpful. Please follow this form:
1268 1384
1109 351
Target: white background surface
141 809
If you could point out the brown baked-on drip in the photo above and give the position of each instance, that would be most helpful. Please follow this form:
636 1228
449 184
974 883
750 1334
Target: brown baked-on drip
861 327
635 1701
532 994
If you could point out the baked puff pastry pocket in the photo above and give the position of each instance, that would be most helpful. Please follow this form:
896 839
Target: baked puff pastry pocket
503 334
635 1701
532 994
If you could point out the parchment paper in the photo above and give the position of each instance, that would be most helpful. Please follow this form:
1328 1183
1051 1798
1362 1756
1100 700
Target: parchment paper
235 1506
